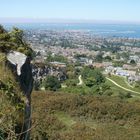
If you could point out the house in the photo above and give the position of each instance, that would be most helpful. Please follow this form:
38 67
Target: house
135 58
109 69
58 64
126 73
107 64
98 65
129 67
133 79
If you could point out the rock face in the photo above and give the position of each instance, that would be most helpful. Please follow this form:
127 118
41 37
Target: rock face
20 65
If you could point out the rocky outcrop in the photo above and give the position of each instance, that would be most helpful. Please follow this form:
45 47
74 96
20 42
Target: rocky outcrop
20 65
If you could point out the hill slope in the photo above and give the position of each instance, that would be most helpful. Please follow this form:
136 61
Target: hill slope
16 84
84 117
11 101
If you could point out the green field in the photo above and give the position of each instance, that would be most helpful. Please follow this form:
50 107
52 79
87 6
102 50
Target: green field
123 82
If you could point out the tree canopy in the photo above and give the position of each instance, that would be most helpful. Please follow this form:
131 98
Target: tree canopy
92 76
52 83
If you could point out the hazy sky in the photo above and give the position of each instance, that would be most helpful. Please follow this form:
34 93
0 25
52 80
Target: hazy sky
118 10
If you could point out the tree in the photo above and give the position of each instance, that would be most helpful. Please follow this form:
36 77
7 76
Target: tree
128 95
17 37
137 84
118 56
14 40
71 83
4 40
99 77
92 76
52 83
90 82
118 63
108 58
99 57
132 62
2 30
58 58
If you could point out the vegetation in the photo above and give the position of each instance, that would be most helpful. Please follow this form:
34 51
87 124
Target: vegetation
123 82
96 109
11 103
70 116
58 58
92 75
99 57
12 100
132 62
52 83
14 40
118 63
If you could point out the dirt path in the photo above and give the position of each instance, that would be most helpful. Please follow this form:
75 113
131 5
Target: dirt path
80 80
121 86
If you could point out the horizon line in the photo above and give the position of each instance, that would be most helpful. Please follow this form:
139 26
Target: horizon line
13 20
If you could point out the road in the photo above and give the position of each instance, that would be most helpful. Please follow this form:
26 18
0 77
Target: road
121 86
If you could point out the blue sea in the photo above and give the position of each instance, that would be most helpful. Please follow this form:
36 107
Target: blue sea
105 30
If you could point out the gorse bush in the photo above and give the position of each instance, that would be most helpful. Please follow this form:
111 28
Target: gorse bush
84 117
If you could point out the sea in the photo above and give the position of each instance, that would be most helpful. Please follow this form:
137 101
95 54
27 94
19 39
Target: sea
105 30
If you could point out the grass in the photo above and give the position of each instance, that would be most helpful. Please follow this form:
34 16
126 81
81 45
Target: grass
76 89
8 79
8 111
65 118
69 121
2 56
122 82
5 73
114 88
78 120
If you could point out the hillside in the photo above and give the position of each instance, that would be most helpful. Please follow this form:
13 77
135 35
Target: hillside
60 116
16 84
11 101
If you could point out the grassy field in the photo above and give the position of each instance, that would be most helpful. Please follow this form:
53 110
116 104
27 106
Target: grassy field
123 82
114 88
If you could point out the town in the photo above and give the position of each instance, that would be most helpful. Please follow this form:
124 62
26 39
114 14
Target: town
56 50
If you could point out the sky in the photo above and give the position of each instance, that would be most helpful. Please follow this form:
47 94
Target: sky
95 10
